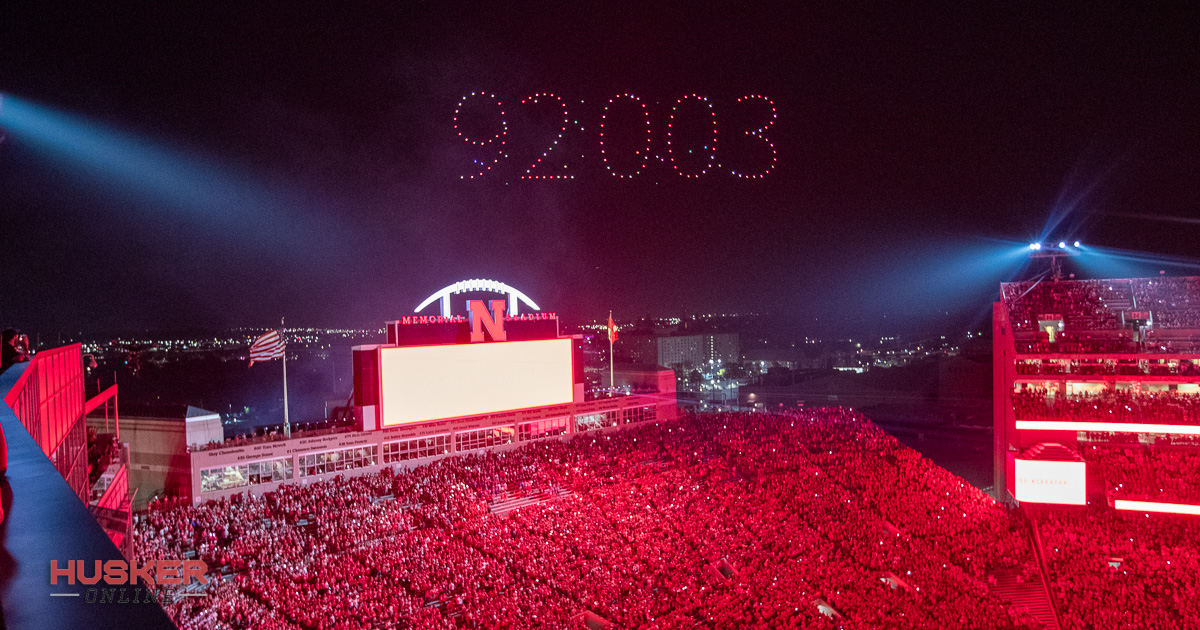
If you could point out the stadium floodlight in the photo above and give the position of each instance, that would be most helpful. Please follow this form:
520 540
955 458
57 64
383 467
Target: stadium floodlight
1076 243
1053 253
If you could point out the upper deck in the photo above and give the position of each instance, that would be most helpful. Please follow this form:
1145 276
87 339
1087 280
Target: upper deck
1123 317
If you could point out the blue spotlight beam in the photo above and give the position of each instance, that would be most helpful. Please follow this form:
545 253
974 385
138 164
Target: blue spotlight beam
163 178
1098 255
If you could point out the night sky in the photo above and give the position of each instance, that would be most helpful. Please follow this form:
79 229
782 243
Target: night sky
229 163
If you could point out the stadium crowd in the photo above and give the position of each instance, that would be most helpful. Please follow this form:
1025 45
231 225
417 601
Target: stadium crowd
719 521
1164 407
1113 569
1183 367
1141 473
1077 300
1096 304
1167 295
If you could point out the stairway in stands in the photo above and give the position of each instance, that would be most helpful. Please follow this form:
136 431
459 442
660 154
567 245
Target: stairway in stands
1028 595
1118 296
508 505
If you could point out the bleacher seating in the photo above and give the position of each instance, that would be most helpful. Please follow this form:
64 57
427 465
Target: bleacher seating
1165 407
1112 569
794 501
1098 315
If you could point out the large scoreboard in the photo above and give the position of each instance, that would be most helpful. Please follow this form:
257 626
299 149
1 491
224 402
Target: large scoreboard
444 367
422 383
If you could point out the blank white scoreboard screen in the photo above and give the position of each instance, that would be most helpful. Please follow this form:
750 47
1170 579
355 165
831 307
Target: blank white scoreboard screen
1064 483
420 383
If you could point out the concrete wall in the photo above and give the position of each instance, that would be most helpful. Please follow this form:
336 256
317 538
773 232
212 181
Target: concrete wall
158 458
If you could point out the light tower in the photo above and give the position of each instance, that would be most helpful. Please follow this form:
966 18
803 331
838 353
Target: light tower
1054 253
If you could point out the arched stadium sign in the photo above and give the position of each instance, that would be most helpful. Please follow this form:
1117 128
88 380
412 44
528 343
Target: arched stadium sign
445 366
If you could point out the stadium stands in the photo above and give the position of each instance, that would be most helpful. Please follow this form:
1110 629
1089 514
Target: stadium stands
1140 473
1109 565
808 519
1100 315
1107 367
1096 304
1110 406
1113 569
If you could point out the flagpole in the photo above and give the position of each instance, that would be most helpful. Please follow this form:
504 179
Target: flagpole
612 383
287 425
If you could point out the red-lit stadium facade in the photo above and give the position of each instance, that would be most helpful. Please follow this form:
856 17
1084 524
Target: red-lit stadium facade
1097 392
442 385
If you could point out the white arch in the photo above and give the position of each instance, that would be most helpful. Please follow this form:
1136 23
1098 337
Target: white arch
478 284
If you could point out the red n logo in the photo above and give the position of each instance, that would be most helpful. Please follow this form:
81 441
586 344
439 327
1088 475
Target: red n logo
482 319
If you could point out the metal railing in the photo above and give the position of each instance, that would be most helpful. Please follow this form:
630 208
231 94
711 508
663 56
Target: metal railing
48 400
1040 552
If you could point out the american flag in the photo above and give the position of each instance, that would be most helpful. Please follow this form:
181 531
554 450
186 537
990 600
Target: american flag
268 346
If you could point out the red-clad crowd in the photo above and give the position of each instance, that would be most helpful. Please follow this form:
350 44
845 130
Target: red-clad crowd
1126 367
1078 301
1142 473
1110 406
1099 304
721 521
1113 569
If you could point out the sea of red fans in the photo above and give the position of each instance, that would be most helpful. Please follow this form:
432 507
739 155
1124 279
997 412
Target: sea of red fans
1109 367
1140 472
1096 304
1100 316
1163 407
722 521
1110 568
1114 569
1081 302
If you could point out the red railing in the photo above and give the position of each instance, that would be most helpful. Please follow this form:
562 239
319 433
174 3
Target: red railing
116 494
111 502
48 400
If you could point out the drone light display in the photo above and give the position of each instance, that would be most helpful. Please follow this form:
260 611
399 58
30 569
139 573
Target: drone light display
632 137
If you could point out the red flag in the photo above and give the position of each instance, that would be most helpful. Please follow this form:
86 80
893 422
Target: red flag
612 329
266 347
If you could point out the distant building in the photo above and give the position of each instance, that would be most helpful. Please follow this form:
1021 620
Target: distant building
645 348
767 358
637 348
699 349
637 378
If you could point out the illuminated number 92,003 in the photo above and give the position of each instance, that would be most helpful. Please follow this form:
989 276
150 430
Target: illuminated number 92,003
633 137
